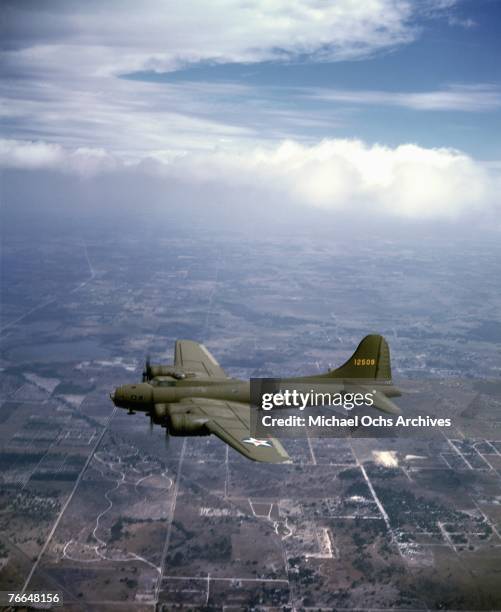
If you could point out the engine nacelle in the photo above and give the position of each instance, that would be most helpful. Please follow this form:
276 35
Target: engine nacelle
181 422
159 414
163 370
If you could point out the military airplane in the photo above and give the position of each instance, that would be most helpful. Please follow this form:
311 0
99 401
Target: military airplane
195 397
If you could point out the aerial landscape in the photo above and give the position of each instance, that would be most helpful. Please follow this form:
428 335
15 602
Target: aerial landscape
99 508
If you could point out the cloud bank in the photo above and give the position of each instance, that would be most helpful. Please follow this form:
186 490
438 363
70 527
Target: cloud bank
162 35
69 112
66 63
351 176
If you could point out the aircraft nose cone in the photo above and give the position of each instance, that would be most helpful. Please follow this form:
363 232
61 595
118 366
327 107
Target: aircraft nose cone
116 396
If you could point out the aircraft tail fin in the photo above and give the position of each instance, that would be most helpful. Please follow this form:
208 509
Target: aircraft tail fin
371 360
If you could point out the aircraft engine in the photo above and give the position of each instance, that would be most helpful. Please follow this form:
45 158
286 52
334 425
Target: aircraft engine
151 370
164 370
159 414
186 424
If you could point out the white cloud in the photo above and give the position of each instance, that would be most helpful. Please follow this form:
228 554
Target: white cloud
67 110
160 35
467 23
477 97
126 117
64 61
342 175
407 181
28 155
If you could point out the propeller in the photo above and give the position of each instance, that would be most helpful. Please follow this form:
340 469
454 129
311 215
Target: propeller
151 416
147 369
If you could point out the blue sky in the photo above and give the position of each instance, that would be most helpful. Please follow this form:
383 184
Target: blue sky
311 96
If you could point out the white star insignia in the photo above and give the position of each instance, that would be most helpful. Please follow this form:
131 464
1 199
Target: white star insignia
257 442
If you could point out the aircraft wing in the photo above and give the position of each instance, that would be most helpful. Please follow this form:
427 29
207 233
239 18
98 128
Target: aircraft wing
230 421
194 357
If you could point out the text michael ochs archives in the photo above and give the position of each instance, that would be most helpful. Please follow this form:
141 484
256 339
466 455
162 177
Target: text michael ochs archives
269 420
278 411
